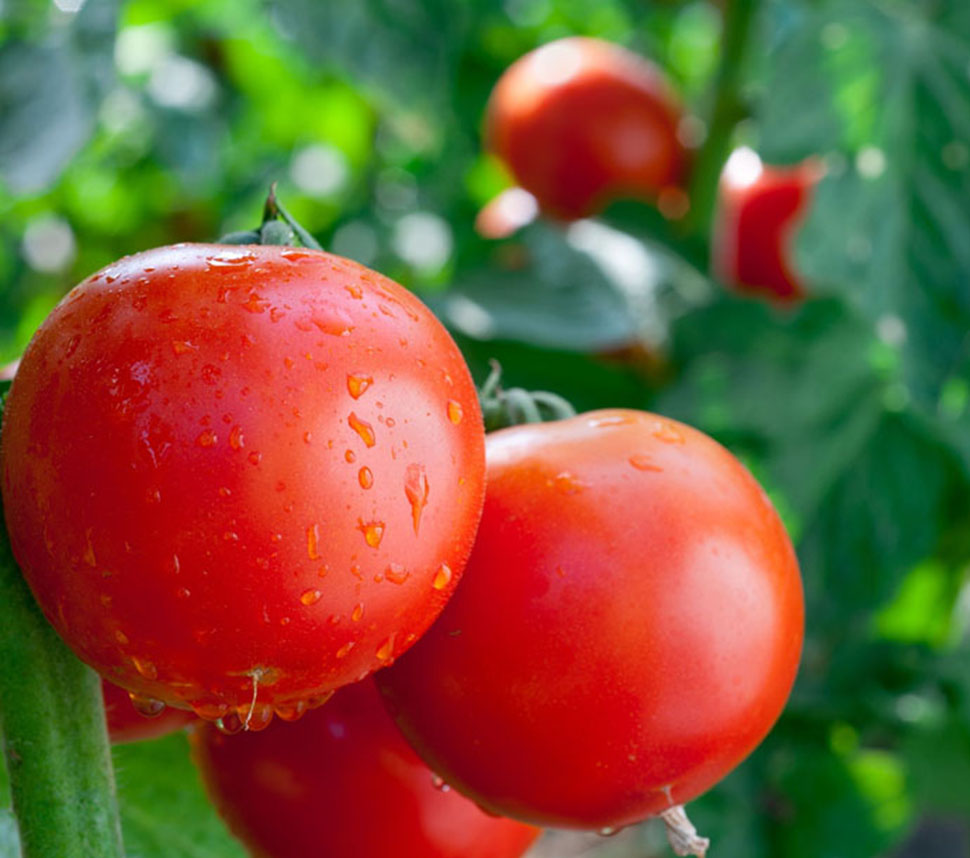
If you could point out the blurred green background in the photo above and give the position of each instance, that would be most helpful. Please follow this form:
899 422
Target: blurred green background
125 125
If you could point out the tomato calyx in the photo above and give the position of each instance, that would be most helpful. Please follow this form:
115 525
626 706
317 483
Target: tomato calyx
681 833
278 227
513 406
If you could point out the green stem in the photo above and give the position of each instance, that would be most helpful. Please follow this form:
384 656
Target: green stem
727 109
514 406
54 735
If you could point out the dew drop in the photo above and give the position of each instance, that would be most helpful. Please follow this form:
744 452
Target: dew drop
230 724
183 593
643 463
416 490
255 457
350 456
362 428
566 483
373 532
88 555
236 439
354 290
396 574
668 433
442 578
358 384
291 711
148 707
210 711
386 650
120 636
358 613
365 477
145 668
255 303
455 412
318 700
255 717
310 597
439 784
207 438
180 347
344 651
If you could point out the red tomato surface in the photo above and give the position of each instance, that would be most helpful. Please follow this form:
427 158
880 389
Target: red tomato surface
760 209
238 478
127 724
628 628
343 783
580 122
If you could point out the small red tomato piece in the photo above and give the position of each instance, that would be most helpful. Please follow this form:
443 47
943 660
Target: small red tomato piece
760 209
628 628
581 122
232 475
344 783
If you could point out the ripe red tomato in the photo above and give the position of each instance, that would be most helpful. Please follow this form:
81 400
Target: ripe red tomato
127 724
760 209
239 478
581 122
343 782
628 628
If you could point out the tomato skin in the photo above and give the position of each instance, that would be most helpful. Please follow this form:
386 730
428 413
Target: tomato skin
628 628
343 780
126 724
760 209
580 122
238 470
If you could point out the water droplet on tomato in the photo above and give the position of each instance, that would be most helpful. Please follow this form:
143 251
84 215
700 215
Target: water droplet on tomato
386 650
455 412
183 593
357 384
354 290
362 428
120 636
230 724
313 542
566 483
145 668
607 831
236 439
439 784
668 433
88 555
209 711
643 463
344 651
207 438
358 613
365 477
227 260
310 597
316 701
350 456
148 707
442 578
373 532
396 573
255 717
255 303
291 711
416 490
255 457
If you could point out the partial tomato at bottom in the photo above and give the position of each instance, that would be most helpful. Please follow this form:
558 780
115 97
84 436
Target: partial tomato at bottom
627 631
342 782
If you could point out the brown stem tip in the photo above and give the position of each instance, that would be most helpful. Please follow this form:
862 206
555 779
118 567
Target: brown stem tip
681 833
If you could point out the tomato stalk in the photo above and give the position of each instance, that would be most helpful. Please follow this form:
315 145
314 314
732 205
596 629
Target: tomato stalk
727 109
513 406
54 735
279 227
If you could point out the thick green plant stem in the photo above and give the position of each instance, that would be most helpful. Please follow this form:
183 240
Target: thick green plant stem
54 735
727 109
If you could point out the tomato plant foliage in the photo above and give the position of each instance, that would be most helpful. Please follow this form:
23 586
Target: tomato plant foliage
138 124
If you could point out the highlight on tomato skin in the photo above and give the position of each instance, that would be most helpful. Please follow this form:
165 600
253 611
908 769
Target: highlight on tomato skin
127 724
342 782
760 209
238 472
580 122
627 631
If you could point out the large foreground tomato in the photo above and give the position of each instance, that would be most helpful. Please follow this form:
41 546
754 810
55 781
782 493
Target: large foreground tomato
627 630
343 783
580 122
760 209
238 478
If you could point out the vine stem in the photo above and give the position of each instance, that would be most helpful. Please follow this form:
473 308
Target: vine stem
54 736
727 108
682 835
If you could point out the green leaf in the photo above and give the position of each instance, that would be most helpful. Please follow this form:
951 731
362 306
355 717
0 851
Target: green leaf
164 811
